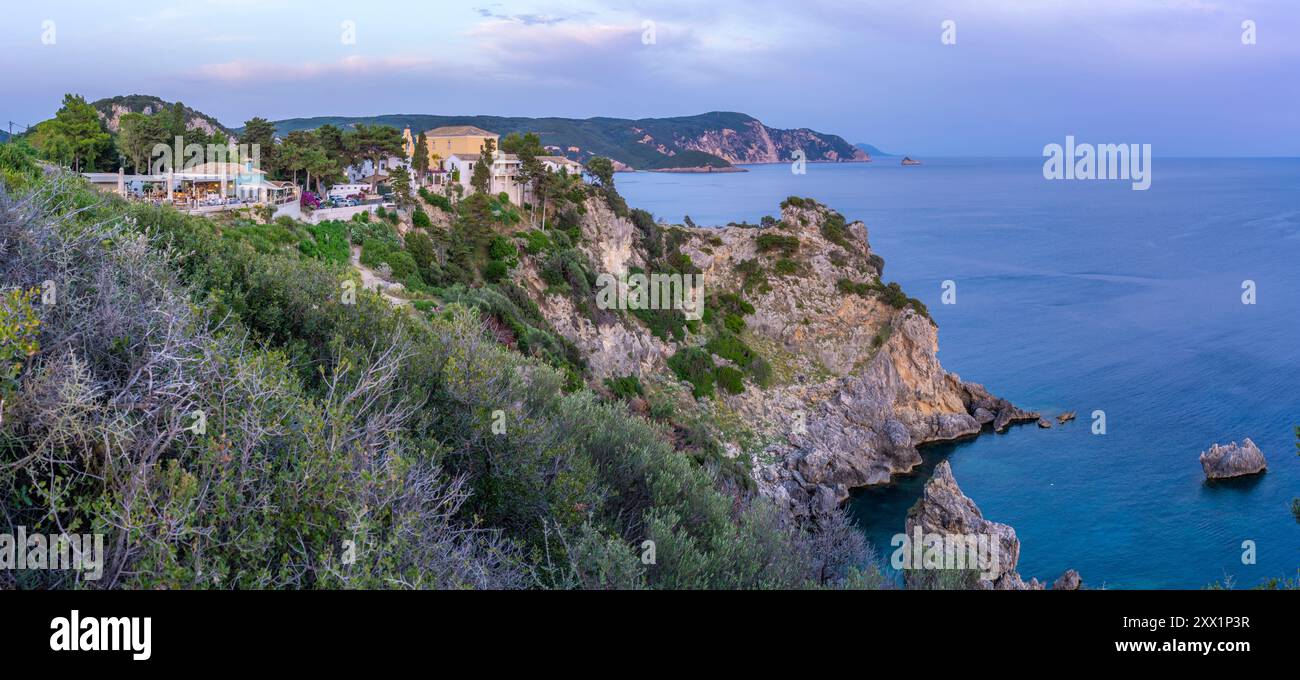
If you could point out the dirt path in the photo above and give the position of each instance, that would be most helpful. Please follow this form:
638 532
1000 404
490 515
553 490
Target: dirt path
372 281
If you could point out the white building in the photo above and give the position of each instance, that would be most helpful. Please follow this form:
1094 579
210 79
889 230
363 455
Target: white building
505 168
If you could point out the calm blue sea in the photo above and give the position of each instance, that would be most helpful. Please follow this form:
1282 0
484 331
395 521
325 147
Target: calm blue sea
1086 295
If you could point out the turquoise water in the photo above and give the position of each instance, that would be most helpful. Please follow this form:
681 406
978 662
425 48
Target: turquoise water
1086 295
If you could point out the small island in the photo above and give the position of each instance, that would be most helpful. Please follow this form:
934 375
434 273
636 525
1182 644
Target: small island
907 160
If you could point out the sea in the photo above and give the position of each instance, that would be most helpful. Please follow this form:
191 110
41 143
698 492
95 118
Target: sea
1168 319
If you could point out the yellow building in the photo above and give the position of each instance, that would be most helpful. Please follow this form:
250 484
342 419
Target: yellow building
408 144
456 139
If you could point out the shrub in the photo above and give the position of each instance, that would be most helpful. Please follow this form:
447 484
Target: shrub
328 242
835 230
730 379
495 271
535 242
422 251
797 202
625 387
730 347
435 200
695 366
768 242
752 276
502 248
785 267
420 219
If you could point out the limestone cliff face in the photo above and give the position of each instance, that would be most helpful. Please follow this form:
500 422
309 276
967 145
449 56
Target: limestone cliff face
856 384
111 111
754 142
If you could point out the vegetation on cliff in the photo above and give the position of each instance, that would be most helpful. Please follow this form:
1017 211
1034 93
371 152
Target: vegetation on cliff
231 411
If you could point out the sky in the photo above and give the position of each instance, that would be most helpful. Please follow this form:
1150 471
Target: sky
1020 74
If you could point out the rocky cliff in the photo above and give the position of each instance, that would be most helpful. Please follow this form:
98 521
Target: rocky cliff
741 139
850 385
944 511
112 109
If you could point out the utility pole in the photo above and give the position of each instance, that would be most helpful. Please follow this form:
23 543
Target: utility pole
10 138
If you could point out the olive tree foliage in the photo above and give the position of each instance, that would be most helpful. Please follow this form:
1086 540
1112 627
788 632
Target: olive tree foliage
194 450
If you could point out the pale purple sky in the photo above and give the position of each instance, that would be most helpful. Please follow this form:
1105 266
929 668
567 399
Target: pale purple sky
1023 73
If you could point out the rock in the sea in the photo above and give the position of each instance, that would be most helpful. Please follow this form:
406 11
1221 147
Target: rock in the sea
1044 423
1222 462
945 511
980 403
1065 417
1070 580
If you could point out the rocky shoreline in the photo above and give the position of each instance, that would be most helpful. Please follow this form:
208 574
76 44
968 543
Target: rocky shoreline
857 386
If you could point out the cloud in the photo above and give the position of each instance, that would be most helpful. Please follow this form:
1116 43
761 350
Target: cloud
525 19
247 70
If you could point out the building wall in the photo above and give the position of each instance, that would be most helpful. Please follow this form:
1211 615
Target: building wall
443 147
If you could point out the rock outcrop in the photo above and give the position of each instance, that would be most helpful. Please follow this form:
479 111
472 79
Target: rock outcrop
1223 462
856 382
1070 580
944 510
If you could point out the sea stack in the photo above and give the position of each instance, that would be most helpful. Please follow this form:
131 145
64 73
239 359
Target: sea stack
1223 462
945 510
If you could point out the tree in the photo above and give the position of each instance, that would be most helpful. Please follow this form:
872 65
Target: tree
529 144
420 161
290 158
137 134
400 180
76 135
601 169
259 135
373 143
482 176
320 165
528 147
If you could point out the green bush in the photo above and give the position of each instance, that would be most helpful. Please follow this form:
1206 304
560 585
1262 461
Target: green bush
752 276
730 347
785 267
420 219
695 366
625 387
797 202
502 248
328 242
495 271
835 230
535 242
768 242
435 200
730 379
